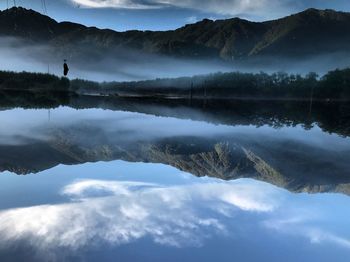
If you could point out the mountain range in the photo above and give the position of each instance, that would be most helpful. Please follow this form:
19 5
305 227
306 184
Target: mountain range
311 32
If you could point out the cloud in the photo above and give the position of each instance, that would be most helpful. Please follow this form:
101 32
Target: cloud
115 213
254 9
319 236
192 19
213 6
129 4
83 187
171 216
305 226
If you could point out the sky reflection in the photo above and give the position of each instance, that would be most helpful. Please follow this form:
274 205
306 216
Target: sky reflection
69 209
95 206
19 124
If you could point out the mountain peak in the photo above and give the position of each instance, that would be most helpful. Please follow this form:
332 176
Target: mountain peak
319 11
26 23
323 13
312 10
20 10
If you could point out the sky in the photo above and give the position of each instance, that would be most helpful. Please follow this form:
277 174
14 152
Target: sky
163 15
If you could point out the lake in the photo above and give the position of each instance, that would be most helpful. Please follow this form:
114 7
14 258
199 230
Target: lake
146 181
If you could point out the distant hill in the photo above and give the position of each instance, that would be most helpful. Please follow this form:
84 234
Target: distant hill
307 33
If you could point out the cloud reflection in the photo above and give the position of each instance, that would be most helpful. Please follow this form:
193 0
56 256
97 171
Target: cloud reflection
96 213
307 225
118 213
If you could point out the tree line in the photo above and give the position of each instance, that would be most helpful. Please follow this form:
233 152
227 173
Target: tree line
32 81
333 85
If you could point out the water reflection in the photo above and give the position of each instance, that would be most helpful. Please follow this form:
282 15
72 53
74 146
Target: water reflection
106 185
290 157
168 210
168 215
332 117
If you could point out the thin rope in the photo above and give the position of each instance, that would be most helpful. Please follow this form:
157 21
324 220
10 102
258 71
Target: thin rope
43 6
44 1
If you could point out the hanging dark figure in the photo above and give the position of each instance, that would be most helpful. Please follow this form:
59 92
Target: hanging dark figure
65 68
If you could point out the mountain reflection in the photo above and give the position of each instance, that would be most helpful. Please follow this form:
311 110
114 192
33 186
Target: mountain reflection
289 157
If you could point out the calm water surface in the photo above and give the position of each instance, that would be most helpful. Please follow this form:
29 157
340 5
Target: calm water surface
102 185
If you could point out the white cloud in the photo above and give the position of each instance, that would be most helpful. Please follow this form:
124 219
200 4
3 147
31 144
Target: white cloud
319 236
213 6
305 226
257 9
170 216
79 189
192 19
116 213
130 4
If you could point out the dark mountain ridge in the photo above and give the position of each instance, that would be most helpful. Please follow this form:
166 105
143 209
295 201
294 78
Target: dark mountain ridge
307 33
225 158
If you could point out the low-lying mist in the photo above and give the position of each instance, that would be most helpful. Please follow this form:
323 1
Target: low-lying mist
112 65
98 64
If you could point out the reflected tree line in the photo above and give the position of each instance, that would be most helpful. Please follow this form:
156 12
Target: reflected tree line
329 107
331 117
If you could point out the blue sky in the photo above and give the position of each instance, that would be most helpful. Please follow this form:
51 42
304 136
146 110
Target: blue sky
124 15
